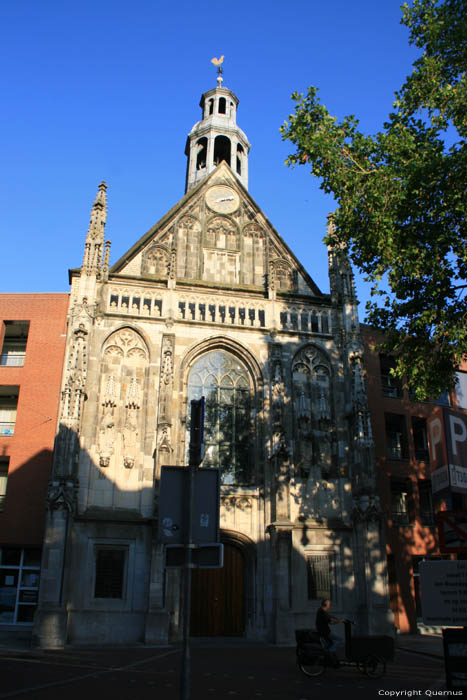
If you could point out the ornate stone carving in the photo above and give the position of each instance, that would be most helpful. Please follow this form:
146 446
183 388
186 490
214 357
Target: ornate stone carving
282 275
124 359
188 247
156 261
366 508
173 264
107 435
83 312
164 443
62 495
222 233
71 403
277 388
126 343
130 437
165 393
279 443
130 430
312 411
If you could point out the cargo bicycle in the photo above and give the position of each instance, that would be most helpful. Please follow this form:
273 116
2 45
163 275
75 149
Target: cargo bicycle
368 654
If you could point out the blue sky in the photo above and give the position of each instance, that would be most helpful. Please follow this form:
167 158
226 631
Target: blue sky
109 90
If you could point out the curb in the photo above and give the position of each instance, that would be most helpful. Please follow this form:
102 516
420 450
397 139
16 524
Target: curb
420 653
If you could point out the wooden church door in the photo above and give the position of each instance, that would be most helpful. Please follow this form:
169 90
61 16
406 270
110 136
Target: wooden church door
218 598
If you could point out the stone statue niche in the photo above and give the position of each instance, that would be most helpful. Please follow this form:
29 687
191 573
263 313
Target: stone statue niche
125 360
312 413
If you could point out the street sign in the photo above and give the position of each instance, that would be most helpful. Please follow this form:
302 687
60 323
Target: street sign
205 556
452 531
447 433
444 592
173 505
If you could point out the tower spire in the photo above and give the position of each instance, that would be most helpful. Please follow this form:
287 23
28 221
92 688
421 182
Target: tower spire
217 137
94 246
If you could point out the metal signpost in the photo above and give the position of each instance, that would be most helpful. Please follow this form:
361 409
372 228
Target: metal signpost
189 524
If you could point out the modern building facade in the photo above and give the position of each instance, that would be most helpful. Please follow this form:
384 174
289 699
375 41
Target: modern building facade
32 347
211 302
406 446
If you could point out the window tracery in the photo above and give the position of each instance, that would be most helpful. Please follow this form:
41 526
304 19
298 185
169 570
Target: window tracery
225 383
156 262
311 374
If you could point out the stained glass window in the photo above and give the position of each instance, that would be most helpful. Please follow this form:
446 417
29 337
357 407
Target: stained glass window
224 382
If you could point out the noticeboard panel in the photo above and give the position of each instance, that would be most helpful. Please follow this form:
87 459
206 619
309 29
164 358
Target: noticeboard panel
444 592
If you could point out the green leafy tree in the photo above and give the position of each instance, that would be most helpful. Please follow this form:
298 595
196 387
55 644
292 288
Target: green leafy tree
401 198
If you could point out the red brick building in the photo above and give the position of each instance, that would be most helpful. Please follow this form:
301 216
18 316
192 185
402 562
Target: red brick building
32 344
404 467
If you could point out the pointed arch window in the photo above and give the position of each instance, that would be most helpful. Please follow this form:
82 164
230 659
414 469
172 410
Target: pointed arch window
225 383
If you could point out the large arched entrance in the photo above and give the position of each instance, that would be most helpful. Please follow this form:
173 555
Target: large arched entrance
218 597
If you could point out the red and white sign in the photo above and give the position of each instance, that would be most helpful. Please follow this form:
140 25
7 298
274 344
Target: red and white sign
448 451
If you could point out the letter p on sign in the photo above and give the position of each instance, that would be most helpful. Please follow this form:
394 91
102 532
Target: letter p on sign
436 432
459 434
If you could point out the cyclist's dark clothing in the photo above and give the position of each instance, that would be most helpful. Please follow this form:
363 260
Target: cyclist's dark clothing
323 619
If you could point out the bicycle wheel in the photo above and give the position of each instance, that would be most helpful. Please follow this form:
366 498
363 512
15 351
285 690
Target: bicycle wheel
374 666
313 666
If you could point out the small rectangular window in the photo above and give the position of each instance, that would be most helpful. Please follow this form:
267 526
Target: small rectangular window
400 502
420 440
396 436
426 502
8 406
391 385
14 343
110 572
319 570
4 463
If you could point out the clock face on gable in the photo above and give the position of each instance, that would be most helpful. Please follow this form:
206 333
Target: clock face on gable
222 199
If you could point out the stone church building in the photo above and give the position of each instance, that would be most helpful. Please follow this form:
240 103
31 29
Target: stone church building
211 302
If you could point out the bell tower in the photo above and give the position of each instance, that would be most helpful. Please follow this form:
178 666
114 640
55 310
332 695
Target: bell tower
217 137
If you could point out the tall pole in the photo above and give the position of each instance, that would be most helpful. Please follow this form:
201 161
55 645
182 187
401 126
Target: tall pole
186 670
195 457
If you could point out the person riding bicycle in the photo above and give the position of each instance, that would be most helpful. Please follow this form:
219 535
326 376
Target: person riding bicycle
323 622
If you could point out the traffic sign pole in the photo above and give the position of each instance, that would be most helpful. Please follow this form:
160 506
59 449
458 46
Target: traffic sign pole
195 451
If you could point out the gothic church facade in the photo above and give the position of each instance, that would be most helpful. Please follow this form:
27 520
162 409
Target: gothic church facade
211 302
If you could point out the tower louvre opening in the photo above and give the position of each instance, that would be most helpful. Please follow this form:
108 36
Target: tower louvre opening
222 150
